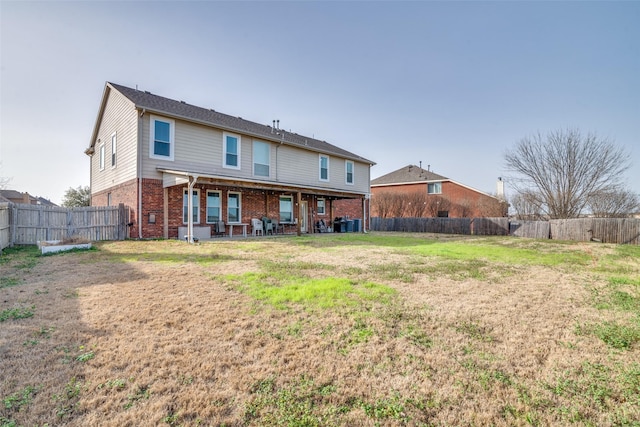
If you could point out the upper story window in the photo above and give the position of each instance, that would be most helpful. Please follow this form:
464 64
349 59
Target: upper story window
233 208
324 168
286 209
261 158
348 170
213 206
113 150
321 207
161 138
196 206
231 147
434 188
101 156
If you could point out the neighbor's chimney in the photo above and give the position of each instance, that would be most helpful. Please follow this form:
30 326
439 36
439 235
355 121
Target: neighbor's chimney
500 188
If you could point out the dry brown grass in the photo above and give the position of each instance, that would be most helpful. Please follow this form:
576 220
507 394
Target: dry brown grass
153 333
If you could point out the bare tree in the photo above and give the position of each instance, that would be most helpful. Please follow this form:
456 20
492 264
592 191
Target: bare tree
4 182
614 203
526 206
416 204
437 204
560 172
382 204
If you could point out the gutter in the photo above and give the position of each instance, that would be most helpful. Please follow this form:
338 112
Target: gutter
140 173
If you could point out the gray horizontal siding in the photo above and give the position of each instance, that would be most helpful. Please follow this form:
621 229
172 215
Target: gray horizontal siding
200 149
120 117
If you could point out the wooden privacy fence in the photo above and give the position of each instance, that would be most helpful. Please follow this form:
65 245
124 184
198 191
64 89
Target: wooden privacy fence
29 224
479 226
606 230
5 226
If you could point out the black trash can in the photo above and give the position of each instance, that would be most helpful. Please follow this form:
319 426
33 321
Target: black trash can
339 225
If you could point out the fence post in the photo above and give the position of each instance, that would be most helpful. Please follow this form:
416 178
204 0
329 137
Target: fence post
13 219
121 222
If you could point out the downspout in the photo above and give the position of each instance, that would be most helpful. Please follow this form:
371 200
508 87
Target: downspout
190 208
140 173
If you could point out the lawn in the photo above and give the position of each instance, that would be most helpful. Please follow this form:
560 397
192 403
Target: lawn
325 330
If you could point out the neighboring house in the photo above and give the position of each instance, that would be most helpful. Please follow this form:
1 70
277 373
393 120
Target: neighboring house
24 198
415 192
150 152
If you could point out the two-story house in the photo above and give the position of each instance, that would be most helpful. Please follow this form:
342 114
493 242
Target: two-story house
412 191
165 159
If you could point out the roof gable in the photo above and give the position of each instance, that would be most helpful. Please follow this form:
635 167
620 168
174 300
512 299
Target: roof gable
408 174
182 110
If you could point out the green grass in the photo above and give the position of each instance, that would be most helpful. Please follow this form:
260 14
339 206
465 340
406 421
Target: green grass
17 313
282 290
7 282
620 336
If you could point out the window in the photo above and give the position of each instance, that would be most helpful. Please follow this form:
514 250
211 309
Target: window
113 150
348 170
233 207
324 168
213 206
286 209
102 156
161 137
196 206
321 205
108 199
261 158
231 155
434 188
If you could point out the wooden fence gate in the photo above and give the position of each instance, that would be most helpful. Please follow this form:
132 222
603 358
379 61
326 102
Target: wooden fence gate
28 224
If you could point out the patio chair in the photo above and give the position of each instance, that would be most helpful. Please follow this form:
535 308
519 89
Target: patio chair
257 227
219 228
276 224
267 225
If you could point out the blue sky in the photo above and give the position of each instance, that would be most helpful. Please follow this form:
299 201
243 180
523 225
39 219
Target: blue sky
450 84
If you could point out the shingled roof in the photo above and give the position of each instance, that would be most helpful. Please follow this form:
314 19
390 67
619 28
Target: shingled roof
182 110
408 175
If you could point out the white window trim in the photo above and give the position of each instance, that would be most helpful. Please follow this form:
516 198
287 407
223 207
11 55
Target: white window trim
253 163
284 196
434 183
239 221
320 156
152 131
219 193
324 206
196 192
101 156
353 172
114 144
224 150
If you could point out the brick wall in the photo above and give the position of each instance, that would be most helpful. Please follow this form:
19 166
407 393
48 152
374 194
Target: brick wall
351 208
123 193
464 202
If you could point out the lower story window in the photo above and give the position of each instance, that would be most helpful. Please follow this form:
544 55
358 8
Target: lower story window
286 209
213 206
233 207
321 205
196 206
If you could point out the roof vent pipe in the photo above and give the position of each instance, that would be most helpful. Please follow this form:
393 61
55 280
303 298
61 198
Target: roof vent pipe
278 123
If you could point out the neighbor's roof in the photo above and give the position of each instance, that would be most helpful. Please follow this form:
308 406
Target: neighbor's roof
410 174
182 110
